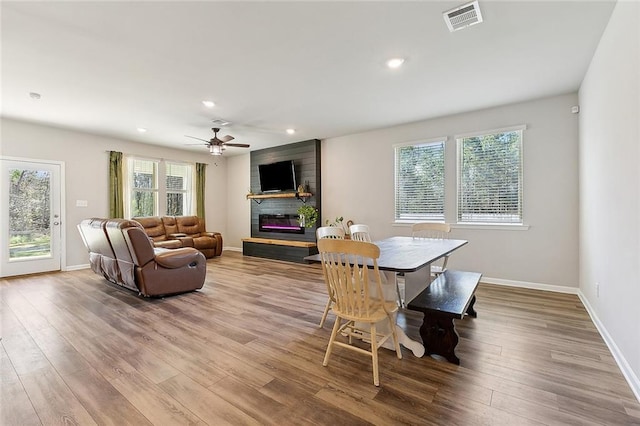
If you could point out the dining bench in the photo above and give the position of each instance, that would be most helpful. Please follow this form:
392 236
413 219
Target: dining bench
450 296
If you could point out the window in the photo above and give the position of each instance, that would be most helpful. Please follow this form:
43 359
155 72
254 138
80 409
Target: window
147 198
490 177
178 189
144 187
420 181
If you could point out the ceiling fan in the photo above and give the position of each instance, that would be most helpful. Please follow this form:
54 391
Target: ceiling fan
217 144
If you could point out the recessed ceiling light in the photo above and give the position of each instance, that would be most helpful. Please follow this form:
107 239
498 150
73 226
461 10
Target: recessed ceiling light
141 130
395 62
291 131
209 104
34 95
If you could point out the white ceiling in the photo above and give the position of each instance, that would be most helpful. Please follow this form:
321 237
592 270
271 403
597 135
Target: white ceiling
319 67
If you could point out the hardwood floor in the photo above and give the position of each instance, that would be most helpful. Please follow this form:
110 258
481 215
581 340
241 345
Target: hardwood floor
246 349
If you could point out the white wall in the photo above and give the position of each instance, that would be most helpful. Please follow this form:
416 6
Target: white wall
87 169
358 183
610 188
238 207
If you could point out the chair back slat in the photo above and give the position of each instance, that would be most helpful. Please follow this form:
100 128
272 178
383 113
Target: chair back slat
330 232
432 230
345 266
360 232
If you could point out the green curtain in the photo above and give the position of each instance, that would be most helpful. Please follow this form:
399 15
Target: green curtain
201 177
116 186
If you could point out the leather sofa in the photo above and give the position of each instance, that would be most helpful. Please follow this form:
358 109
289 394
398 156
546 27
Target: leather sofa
122 252
181 231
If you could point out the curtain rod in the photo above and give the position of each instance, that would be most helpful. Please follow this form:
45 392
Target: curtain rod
152 158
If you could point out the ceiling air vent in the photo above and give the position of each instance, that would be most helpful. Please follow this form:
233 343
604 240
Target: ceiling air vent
463 16
218 122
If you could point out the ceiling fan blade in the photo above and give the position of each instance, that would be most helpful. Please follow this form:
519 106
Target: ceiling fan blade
227 138
193 137
239 145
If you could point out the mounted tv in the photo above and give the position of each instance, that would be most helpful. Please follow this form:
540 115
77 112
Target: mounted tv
277 177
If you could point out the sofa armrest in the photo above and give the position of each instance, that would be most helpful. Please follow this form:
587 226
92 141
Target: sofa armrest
178 258
218 237
210 234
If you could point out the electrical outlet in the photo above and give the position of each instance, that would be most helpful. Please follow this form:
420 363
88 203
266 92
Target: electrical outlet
597 289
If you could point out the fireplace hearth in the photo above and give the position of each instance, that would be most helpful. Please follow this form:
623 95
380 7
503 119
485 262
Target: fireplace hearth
283 223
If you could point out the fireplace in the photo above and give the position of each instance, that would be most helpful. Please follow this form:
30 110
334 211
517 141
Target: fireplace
285 223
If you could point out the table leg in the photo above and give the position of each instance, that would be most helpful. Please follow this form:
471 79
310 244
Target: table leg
440 336
415 282
390 294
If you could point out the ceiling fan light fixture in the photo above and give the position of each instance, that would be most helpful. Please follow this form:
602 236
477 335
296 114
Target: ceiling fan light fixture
209 104
215 149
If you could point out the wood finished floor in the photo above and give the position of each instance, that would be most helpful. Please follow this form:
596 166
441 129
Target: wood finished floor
246 349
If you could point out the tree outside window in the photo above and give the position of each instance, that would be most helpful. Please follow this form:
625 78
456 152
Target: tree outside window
490 178
144 187
420 182
148 198
178 185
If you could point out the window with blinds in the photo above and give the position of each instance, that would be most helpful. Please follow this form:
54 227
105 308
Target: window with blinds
144 187
490 177
178 186
147 196
419 184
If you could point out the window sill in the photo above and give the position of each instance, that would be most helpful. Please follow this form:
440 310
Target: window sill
492 226
489 226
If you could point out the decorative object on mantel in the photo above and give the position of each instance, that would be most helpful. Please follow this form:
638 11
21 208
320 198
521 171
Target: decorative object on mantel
301 188
308 215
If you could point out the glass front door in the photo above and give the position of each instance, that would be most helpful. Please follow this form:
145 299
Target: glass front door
31 222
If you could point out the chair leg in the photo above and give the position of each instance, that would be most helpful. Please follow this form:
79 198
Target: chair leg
334 332
400 301
394 335
324 315
374 354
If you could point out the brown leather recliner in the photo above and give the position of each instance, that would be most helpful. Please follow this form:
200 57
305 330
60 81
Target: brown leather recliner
182 231
154 228
101 256
140 267
191 231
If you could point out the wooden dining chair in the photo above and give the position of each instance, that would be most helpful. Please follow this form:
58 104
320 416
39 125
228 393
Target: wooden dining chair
331 232
357 304
437 231
360 232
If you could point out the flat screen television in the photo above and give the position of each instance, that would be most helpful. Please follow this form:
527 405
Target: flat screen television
276 177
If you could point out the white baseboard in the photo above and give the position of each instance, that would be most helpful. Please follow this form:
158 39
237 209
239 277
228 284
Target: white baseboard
624 366
77 267
533 286
233 249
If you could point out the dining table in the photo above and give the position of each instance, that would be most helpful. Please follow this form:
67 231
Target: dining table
412 257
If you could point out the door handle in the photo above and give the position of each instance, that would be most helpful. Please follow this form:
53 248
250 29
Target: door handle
56 223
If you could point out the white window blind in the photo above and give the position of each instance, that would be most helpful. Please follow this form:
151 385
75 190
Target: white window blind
419 185
490 177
